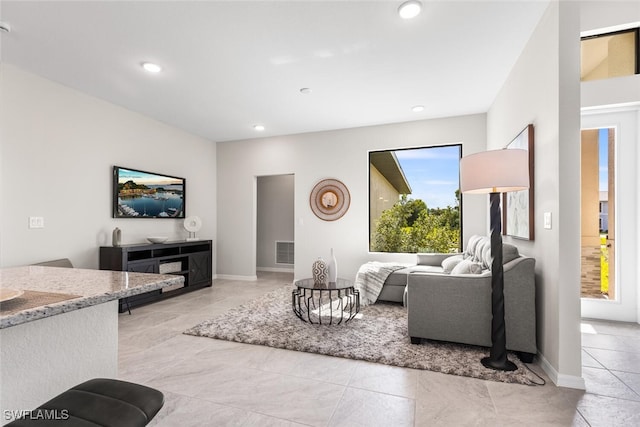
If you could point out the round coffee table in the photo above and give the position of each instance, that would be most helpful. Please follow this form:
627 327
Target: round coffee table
322 304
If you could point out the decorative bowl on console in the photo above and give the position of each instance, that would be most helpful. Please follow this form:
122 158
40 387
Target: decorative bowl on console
157 239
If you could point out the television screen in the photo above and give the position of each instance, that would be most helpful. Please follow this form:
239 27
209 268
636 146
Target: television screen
140 194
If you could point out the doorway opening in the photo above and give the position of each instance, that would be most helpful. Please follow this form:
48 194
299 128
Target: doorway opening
275 223
598 214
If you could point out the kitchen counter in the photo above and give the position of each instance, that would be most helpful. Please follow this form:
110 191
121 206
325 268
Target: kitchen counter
60 328
76 287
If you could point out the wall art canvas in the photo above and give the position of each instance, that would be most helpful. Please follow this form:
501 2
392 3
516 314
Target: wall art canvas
518 217
140 194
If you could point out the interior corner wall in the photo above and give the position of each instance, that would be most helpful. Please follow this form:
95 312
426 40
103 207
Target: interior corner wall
543 89
311 157
58 149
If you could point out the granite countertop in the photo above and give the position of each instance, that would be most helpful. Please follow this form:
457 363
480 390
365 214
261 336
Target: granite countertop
79 288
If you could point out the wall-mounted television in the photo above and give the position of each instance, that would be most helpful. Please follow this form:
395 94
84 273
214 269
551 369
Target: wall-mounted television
140 194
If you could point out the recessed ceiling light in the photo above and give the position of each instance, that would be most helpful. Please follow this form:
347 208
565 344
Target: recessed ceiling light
305 90
151 67
5 27
410 9
417 108
259 128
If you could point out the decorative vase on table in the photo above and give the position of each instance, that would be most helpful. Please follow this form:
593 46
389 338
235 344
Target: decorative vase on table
332 276
319 271
116 238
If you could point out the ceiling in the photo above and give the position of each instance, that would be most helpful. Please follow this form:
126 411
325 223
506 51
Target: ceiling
228 66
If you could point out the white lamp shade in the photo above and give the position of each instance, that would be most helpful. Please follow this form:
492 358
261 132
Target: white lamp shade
496 171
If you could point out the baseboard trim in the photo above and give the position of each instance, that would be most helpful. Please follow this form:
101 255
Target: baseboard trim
236 277
561 380
275 269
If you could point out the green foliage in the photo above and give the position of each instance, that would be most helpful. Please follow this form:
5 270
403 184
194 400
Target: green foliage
410 227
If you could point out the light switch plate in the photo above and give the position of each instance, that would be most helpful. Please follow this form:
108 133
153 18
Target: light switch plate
36 222
547 220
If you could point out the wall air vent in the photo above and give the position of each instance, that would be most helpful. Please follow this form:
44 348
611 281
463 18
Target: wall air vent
284 252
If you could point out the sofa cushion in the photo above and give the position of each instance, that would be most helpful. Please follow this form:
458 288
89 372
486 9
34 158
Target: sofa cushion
434 259
425 269
467 267
449 263
509 253
398 277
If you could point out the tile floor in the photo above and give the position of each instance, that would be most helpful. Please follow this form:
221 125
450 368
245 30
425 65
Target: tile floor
218 383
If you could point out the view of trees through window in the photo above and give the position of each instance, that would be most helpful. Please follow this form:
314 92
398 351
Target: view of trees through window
414 200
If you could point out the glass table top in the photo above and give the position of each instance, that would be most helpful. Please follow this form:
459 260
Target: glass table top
310 284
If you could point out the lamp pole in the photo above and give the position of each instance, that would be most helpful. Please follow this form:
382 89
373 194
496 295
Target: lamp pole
498 355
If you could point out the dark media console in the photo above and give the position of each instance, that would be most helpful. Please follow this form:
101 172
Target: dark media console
192 260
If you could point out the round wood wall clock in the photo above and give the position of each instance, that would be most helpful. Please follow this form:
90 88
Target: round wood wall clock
330 199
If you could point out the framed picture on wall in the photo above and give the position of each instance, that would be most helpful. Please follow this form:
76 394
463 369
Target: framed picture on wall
517 214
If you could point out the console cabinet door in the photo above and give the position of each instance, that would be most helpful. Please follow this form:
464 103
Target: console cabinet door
199 267
145 266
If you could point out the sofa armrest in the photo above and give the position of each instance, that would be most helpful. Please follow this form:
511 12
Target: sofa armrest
433 259
449 308
457 308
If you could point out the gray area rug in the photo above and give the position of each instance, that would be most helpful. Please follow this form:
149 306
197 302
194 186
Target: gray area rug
378 334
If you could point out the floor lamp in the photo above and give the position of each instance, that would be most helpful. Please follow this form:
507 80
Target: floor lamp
495 172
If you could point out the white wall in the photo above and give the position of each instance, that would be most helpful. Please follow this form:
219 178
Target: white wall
608 15
340 154
543 89
58 149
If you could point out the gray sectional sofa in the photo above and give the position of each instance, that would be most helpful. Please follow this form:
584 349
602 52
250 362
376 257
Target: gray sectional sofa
448 297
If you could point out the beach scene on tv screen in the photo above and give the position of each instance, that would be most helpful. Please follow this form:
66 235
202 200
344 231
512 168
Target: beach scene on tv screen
142 194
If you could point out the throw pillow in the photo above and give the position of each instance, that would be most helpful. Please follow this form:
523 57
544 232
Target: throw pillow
487 259
471 246
449 263
482 246
467 267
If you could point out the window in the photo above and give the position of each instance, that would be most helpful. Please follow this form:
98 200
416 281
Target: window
414 200
609 55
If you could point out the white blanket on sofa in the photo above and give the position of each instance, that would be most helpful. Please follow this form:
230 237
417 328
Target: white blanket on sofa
370 279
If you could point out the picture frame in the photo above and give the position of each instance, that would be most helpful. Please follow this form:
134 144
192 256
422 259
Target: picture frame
142 194
518 206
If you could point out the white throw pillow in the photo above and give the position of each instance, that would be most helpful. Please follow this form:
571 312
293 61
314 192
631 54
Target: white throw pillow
467 267
449 263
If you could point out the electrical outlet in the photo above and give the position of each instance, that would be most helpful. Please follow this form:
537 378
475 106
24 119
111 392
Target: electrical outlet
36 222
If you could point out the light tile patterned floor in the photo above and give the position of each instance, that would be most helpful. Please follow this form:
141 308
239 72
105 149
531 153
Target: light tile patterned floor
218 383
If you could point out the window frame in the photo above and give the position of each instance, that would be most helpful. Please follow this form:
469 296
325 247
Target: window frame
635 30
